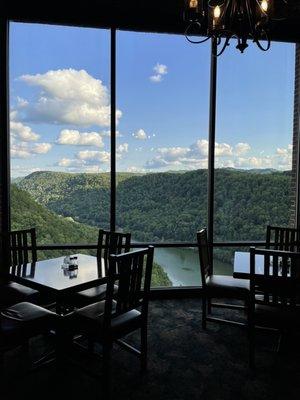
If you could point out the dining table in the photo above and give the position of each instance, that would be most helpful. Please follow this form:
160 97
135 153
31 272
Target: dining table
55 278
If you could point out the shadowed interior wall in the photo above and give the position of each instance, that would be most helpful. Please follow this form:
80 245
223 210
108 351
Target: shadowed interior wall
4 137
296 129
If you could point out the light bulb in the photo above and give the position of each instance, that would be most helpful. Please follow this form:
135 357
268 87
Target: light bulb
217 12
264 5
193 4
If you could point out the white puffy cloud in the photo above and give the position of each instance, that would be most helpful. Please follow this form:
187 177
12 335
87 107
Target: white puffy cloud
22 132
160 70
77 165
93 156
156 78
24 150
22 102
134 169
241 148
141 135
173 153
41 148
76 138
69 96
226 156
285 152
123 148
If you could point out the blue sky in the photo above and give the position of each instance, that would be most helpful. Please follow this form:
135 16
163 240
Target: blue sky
59 95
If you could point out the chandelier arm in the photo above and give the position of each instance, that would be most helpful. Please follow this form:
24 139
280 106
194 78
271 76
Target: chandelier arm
186 33
260 45
197 41
224 47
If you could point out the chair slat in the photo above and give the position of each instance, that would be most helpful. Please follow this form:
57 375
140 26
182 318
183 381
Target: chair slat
22 247
279 288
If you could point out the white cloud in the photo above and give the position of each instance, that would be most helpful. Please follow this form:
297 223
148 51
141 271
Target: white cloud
74 137
41 148
156 78
285 152
93 156
140 135
223 149
122 148
173 153
22 132
22 102
69 96
241 148
134 169
160 70
226 156
24 150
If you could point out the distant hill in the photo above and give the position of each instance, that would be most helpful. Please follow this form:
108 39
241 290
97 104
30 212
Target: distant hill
84 197
169 206
51 228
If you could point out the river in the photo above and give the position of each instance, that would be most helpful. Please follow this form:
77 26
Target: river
182 265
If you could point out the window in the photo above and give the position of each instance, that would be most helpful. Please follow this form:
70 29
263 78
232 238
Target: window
162 145
60 131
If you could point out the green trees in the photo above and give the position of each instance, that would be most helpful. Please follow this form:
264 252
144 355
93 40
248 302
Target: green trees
169 206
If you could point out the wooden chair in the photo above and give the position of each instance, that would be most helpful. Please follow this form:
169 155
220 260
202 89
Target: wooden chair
108 243
273 293
21 322
19 247
218 286
108 321
283 238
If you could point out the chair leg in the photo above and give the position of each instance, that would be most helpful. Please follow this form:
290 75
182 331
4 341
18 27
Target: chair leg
251 338
204 311
107 347
209 305
144 347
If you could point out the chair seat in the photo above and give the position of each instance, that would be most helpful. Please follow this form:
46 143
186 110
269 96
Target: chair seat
227 286
12 293
25 320
90 320
277 317
91 295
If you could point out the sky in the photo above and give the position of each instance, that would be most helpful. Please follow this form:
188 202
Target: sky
60 102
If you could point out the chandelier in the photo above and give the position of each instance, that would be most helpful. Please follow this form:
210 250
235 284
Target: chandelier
226 19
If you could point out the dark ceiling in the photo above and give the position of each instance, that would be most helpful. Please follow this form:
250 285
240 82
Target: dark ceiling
163 16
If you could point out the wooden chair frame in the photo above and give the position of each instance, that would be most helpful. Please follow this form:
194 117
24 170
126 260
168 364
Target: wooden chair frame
278 286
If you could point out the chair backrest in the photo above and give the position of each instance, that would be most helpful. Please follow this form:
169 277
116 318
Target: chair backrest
112 243
204 255
278 284
22 247
283 238
131 272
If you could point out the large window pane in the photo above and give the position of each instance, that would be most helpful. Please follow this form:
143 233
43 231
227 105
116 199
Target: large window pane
253 142
60 131
163 95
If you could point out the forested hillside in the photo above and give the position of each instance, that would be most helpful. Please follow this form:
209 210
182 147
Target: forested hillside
170 206
51 228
